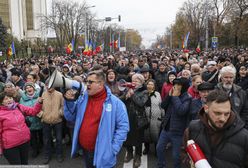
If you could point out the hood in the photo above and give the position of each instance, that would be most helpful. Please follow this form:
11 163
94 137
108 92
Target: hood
25 97
233 125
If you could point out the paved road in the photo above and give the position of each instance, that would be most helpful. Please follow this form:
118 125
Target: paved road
148 161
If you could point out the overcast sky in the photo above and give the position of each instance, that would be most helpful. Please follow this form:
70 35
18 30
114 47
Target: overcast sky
149 17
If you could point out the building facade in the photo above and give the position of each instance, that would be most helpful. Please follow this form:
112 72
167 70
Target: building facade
22 18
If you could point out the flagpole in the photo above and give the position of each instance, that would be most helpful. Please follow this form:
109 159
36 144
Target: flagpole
110 46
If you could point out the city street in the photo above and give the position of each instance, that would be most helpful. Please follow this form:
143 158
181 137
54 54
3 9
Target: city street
147 161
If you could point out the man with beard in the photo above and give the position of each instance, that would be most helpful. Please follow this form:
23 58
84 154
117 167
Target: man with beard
237 96
220 133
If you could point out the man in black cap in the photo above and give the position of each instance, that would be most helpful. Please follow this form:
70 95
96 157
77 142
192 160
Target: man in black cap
16 78
145 71
197 104
161 75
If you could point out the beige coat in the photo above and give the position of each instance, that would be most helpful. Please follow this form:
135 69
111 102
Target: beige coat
52 108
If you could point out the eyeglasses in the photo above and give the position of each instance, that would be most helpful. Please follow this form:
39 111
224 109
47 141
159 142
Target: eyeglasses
89 82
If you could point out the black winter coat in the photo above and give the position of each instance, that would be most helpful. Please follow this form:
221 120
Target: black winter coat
230 152
135 106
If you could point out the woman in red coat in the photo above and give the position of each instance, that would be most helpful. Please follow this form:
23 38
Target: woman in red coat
14 133
168 84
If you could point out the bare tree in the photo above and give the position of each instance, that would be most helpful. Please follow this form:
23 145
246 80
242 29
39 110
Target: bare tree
240 8
67 20
221 9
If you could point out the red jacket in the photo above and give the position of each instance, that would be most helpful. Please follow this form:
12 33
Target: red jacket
13 129
165 90
194 93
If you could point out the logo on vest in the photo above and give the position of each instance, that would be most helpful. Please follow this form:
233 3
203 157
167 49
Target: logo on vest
109 107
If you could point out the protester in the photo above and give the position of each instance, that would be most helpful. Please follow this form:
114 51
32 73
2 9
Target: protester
168 84
28 98
220 133
176 106
242 78
100 142
112 82
14 133
16 78
52 117
160 76
12 91
198 103
135 101
194 93
237 96
154 113
211 73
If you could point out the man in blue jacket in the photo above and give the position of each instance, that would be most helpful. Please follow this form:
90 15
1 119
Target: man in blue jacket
101 121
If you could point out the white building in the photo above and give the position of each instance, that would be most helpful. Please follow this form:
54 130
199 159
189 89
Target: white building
22 18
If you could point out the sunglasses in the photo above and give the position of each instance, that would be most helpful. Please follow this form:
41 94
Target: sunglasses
89 82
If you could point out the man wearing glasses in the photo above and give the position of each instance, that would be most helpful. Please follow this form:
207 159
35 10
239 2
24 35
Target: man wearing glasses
101 122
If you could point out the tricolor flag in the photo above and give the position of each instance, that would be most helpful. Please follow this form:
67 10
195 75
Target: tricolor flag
198 48
117 43
11 49
70 47
100 48
85 52
90 49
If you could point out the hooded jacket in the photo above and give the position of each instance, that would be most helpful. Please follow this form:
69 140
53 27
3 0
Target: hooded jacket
30 101
226 147
13 129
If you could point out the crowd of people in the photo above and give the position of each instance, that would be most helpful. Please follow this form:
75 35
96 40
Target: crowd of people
160 98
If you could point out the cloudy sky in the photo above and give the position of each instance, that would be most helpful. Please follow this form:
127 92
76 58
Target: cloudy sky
149 17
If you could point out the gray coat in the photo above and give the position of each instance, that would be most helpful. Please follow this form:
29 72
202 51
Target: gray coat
153 112
239 102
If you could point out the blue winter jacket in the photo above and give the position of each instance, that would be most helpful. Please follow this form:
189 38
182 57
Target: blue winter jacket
112 131
177 114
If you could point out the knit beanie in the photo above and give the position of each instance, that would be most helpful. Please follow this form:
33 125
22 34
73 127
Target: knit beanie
29 84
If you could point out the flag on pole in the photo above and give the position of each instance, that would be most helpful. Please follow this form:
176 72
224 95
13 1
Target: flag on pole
85 52
11 49
185 42
100 48
70 47
117 43
198 48
90 49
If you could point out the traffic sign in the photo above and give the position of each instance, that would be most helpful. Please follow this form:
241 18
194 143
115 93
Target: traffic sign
214 42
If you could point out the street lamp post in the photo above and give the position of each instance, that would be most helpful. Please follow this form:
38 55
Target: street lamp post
86 24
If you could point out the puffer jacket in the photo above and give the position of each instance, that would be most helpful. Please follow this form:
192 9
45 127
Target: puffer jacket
177 113
13 129
231 151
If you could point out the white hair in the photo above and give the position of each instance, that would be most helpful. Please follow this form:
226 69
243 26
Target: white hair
229 69
139 77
